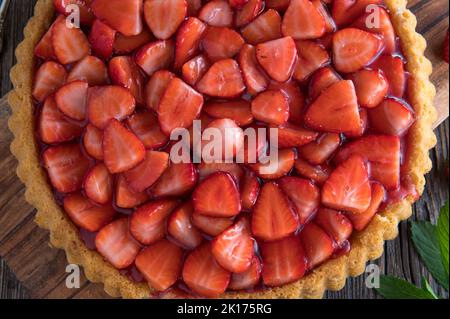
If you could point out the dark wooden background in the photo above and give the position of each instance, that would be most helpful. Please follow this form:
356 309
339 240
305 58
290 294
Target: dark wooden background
400 258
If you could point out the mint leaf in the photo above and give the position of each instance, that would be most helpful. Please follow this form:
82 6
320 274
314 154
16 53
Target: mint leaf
426 287
442 230
393 288
426 240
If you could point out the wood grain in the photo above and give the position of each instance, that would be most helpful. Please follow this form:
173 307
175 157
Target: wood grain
40 270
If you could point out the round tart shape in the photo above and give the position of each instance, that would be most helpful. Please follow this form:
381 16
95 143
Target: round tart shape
294 242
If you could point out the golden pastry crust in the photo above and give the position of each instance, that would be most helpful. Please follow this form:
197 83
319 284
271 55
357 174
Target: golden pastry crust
366 245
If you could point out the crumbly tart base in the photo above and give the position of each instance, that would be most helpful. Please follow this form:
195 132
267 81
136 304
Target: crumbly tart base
366 245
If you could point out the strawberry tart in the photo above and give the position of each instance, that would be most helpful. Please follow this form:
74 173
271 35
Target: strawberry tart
101 85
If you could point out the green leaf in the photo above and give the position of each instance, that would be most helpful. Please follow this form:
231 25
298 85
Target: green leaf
426 240
442 230
394 288
426 287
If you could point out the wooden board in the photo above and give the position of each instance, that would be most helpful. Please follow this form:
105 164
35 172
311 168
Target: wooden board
41 269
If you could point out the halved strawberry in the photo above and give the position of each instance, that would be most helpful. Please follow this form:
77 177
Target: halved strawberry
48 79
188 41
127 198
109 102
223 79
126 44
275 169
335 224
303 194
274 216
148 223
215 48
239 111
180 227
335 110
361 220
271 107
203 274
116 245
212 226
303 20
311 57
193 6
217 13
98 184
348 187
123 16
319 174
249 188
87 215
217 196
247 279
124 72
207 169
66 167
317 244
194 69
177 180
248 12
371 87
383 153
70 44
86 15
146 126
91 69
92 142
53 127
255 79
283 261
296 99
160 264
294 136
155 56
179 106
255 144
319 151
346 11
391 117
394 71
122 150
44 48
321 80
330 25
164 16
156 87
102 39
71 100
277 57
264 28
354 49
237 3
364 119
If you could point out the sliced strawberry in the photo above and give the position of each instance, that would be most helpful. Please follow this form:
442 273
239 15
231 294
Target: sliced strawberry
275 169
109 102
91 69
71 100
180 227
360 221
176 181
212 226
303 194
66 167
330 25
164 16
294 136
248 12
391 117
394 71
311 57
335 110
217 13
348 187
364 119
319 174
124 72
102 39
255 79
271 107
126 44
238 111
122 150
277 57
92 141
87 215
303 20
148 223
354 49
156 87
223 79
383 153
203 274
86 15
264 28
371 87
346 11
116 245
247 279
155 56
317 244
195 69
321 80
146 126
249 188
335 224
193 6
319 151
160 264
280 5
48 79
124 17
44 49
237 3
207 169
283 261
296 99
98 184
217 196
214 46
188 40
179 106
274 216
127 198
255 144
70 44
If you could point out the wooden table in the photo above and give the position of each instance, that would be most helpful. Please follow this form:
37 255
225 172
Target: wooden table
37 271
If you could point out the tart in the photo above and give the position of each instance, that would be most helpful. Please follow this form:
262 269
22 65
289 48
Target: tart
94 108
